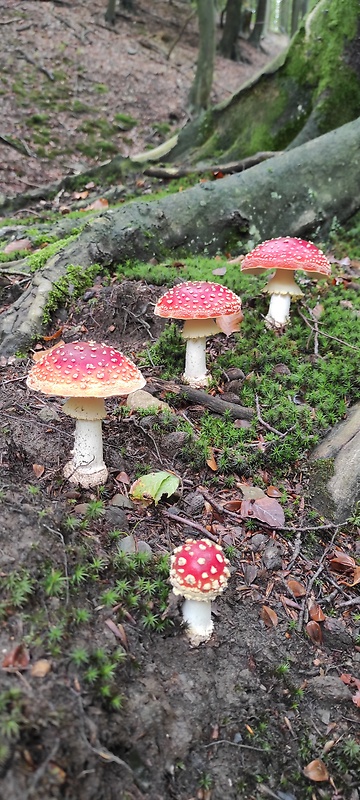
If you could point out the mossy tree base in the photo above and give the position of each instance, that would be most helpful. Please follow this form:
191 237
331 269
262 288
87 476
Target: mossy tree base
298 193
304 93
335 483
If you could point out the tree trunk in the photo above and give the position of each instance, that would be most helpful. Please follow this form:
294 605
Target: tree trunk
110 14
259 25
297 193
306 92
199 95
228 42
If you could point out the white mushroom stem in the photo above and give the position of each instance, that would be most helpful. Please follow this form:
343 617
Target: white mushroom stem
195 362
87 464
282 287
195 332
197 615
279 309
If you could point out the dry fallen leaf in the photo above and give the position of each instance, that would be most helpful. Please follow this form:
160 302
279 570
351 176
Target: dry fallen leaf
314 632
18 244
41 668
269 617
316 613
356 698
273 491
356 577
38 470
341 562
97 205
211 462
119 631
316 771
266 509
297 589
18 659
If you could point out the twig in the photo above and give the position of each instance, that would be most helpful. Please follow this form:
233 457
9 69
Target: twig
199 397
99 749
33 63
40 770
17 144
189 523
182 29
266 424
327 335
355 601
296 550
233 744
312 581
9 21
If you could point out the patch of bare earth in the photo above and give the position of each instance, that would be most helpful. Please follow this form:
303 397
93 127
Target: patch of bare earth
65 75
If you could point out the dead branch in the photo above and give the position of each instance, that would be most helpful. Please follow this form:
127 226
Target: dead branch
17 144
226 169
33 63
199 397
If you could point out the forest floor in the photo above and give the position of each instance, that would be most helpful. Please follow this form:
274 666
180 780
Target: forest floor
75 91
101 695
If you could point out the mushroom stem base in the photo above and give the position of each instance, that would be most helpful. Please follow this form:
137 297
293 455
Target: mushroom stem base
87 465
197 615
279 308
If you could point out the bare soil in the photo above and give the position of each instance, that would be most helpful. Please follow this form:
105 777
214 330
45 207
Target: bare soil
238 717
241 716
65 75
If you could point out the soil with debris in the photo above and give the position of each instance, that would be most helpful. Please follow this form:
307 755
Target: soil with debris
101 695
241 716
76 91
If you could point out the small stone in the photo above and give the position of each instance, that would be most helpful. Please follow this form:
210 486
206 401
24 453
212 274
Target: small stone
174 441
140 400
194 503
335 634
49 414
257 542
272 555
329 689
117 518
121 501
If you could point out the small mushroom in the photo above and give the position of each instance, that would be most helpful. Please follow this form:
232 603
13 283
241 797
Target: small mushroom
207 308
285 255
198 572
85 372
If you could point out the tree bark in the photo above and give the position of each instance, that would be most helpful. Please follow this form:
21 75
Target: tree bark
306 92
259 24
297 193
199 95
228 43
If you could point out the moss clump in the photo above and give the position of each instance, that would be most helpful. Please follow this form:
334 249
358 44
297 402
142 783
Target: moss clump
38 260
74 283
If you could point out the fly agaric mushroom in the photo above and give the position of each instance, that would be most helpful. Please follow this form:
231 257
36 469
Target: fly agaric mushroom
85 372
198 572
207 308
285 255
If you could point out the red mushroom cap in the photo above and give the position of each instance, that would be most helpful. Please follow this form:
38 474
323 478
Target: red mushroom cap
85 369
197 300
287 253
198 570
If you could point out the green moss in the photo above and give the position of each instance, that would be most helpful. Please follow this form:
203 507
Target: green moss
125 121
38 260
77 279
